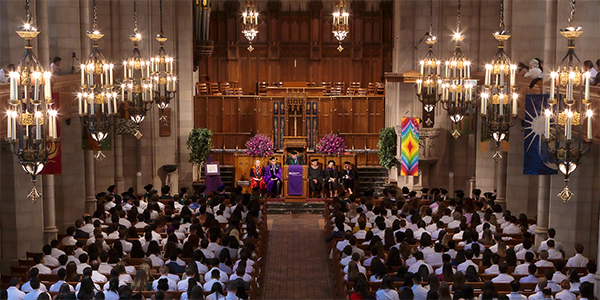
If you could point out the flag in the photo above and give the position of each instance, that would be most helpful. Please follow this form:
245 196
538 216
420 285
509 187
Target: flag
536 160
409 162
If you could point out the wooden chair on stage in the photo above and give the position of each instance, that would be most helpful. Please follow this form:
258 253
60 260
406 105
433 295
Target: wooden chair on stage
351 91
372 88
361 92
202 89
224 86
327 87
238 91
262 88
341 86
336 91
380 88
214 88
355 85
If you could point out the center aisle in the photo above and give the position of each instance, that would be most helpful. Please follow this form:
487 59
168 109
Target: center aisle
296 265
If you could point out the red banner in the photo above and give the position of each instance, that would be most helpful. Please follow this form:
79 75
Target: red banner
54 165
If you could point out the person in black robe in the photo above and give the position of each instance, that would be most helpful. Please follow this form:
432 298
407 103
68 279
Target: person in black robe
315 178
294 159
331 179
348 176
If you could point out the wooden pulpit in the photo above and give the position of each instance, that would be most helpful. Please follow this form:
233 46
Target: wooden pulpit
286 189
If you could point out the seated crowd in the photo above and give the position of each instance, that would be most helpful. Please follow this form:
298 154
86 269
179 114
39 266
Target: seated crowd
205 245
436 247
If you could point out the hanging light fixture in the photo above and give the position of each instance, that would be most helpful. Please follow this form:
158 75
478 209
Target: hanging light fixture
163 78
429 84
457 87
250 20
31 119
340 23
567 109
499 95
136 88
97 101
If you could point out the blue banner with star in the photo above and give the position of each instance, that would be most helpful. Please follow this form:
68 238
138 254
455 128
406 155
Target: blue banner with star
536 159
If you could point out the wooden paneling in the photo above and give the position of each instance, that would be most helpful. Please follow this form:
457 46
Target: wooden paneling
299 46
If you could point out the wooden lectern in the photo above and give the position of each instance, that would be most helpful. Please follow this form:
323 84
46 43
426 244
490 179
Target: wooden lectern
295 198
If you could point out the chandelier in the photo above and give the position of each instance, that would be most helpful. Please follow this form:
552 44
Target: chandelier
429 84
567 109
31 120
136 88
163 78
499 95
457 86
340 23
97 101
250 20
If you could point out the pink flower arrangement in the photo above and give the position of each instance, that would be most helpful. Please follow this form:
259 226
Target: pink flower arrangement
260 145
331 144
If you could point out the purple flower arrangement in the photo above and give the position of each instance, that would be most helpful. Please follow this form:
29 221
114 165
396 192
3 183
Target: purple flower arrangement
260 145
331 144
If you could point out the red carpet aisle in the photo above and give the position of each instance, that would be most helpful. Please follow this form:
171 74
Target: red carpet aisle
296 266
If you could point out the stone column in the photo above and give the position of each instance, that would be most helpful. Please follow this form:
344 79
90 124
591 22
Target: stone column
543 206
50 230
90 182
41 14
119 180
84 25
501 181
138 165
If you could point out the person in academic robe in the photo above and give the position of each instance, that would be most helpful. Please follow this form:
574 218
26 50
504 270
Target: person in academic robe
273 177
111 191
165 191
256 176
315 178
332 179
348 176
148 188
294 159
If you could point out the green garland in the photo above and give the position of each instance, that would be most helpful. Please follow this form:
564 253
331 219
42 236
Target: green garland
387 148
199 144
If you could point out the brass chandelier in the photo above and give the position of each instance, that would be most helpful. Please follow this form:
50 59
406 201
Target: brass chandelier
457 87
429 84
499 97
31 119
136 87
567 109
340 23
98 103
163 75
250 22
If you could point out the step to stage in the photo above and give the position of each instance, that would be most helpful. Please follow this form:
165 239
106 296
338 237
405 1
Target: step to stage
305 206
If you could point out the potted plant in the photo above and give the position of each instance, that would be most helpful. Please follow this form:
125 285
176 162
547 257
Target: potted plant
387 148
199 144
331 144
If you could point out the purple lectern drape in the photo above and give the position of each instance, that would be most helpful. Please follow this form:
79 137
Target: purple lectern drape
294 180
212 182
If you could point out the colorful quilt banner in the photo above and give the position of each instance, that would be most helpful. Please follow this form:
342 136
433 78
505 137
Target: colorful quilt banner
409 162
536 159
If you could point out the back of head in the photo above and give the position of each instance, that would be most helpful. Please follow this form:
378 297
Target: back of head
514 286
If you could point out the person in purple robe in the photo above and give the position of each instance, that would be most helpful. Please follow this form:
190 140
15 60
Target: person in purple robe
273 178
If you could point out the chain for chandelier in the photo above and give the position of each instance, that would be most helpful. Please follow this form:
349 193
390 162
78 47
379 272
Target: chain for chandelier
457 86
567 109
31 118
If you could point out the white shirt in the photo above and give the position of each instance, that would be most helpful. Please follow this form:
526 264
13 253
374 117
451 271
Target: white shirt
453 224
415 267
56 253
420 293
446 219
104 268
534 73
529 279
96 287
246 277
553 254
50 261
27 287
126 245
208 285
107 284
156 261
222 276
516 296
215 248
183 285
565 295
97 277
522 269
43 269
543 263
558 277
77 253
172 283
418 233
33 295
215 296
463 266
387 295
577 261
588 278
109 295
434 260
502 278
452 253
14 293
69 241
80 268
56 287
544 245
512 229
493 269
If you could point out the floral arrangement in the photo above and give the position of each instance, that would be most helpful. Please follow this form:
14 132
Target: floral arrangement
260 145
331 144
